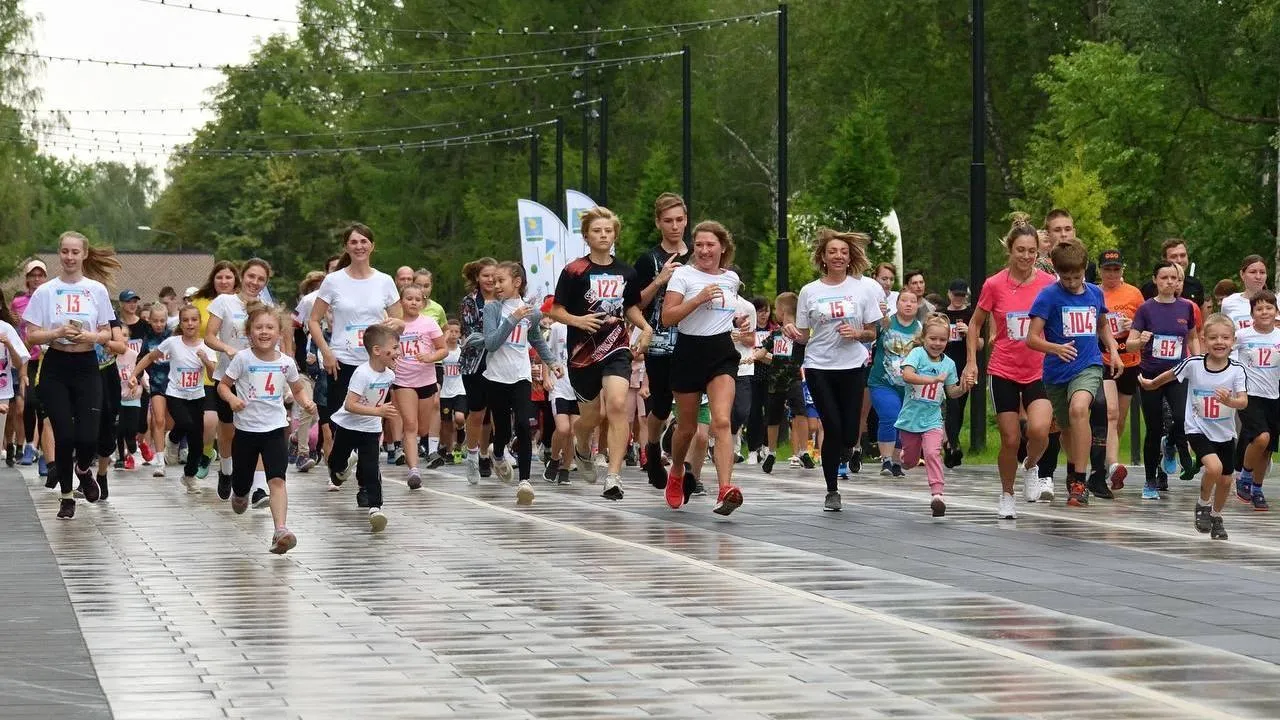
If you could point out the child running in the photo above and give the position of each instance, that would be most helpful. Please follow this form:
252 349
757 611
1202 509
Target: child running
357 423
422 345
783 358
188 360
253 385
1215 391
453 396
927 370
157 331
564 409
1258 350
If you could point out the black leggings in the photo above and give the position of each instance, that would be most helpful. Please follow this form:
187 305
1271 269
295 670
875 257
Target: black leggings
504 401
742 400
756 437
127 430
110 410
837 395
1175 393
71 391
247 448
955 418
188 423
33 411
365 445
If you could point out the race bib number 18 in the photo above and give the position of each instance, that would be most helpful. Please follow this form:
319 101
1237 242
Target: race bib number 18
931 393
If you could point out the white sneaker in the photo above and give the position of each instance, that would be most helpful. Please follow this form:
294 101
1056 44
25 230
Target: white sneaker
612 487
1046 489
1008 509
345 475
158 463
795 461
524 493
171 452
377 521
587 469
472 463
502 468
193 485
1031 483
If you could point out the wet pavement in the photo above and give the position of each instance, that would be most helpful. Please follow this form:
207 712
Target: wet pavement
576 607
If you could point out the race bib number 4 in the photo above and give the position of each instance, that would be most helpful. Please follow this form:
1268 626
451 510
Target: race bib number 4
267 382
1166 347
1208 407
1079 321
1016 325
931 393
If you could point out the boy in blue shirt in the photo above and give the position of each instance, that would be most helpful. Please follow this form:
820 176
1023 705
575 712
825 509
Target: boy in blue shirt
1068 322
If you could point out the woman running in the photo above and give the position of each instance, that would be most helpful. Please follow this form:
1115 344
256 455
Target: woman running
700 300
1015 369
1253 274
480 290
835 315
1123 301
106 354
71 314
224 279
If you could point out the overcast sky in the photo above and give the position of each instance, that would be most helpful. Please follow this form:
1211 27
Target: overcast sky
134 30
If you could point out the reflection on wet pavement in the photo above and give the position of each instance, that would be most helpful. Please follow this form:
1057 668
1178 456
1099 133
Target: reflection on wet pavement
578 608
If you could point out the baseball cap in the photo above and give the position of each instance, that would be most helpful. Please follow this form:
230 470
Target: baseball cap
35 265
1110 258
128 295
959 285
190 292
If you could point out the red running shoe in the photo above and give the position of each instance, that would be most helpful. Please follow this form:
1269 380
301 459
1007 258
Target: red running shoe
1118 473
675 491
130 463
730 499
147 452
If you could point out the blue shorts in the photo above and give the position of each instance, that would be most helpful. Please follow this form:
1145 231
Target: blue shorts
810 410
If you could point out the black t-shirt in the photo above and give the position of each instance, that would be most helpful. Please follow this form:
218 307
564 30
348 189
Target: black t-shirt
585 288
138 330
1192 289
647 268
956 343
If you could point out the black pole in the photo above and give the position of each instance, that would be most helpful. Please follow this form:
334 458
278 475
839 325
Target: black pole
603 149
535 164
586 134
687 149
784 244
978 216
559 166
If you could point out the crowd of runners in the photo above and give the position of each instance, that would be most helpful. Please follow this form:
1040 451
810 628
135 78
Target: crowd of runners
667 364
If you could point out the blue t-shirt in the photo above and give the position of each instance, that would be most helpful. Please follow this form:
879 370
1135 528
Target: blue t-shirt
892 346
922 406
1070 318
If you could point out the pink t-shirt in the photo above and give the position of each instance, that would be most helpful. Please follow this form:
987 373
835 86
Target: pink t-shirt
1009 303
419 337
18 306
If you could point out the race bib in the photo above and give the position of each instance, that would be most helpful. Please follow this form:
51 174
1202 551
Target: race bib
136 346
728 298
519 337
607 287
1017 324
1113 319
376 393
355 335
1206 406
409 346
1166 347
1079 321
931 393
188 378
837 309
536 372
452 370
75 304
266 382
953 333
782 346
237 327
1265 357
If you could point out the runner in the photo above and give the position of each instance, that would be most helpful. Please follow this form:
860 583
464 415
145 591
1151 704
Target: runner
313 377
653 272
1174 250
564 408
1253 275
593 296
895 339
1123 301
422 344
1015 369
453 396
1258 350
224 279
13 373
960 313
423 278
28 406
106 354
71 313
358 421
699 301
478 275
929 374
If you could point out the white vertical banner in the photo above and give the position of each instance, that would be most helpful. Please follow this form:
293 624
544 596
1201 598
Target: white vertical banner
542 239
575 204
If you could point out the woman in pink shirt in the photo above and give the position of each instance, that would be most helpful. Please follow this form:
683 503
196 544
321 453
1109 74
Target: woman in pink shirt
1015 369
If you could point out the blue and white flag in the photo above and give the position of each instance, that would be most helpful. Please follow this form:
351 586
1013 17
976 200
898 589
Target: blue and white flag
542 239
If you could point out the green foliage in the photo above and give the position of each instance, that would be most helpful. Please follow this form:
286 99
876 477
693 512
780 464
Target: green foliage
659 175
857 185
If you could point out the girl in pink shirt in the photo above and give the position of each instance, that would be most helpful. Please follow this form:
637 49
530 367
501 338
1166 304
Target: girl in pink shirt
414 390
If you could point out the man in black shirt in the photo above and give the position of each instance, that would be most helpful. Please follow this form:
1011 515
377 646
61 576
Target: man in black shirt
653 270
1174 250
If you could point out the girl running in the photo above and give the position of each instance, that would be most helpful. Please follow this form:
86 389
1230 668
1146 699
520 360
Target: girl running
71 314
422 344
13 369
110 415
453 396
1253 274
132 398
897 333
156 332
479 278
224 279
252 386
929 375
564 409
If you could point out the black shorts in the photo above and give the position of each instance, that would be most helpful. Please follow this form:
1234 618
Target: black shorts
1127 381
247 447
1225 450
1261 415
424 392
477 388
455 404
211 398
778 404
658 369
223 408
565 407
1010 396
587 381
699 358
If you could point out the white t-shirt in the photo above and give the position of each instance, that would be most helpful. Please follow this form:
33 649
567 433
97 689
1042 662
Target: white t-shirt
302 314
510 363
186 372
823 308
172 322
261 384
559 344
712 317
1259 353
744 352
230 309
356 305
374 389
1205 414
58 302
451 384
1237 308
7 377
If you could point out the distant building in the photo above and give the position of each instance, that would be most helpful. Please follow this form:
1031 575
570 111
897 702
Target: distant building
143 272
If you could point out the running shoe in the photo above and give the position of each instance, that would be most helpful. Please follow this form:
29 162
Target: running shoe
88 484
261 498
1077 494
473 469
344 474
667 435
391 453
831 503
896 470
629 459
10 454
795 461
886 468
28 455
769 460
728 500
653 466
1259 501
692 488
42 468
1203 523
224 485
1244 490
938 506
1216 530
675 491
102 487
202 470
855 461
524 493
66 509
1046 489
305 463
435 460
158 464
551 471
1150 492
377 521
842 472
182 454
1189 472
486 466
192 484
1168 458
562 477
362 498
131 463
1116 475
171 453
282 541
1031 483
612 487
806 460
502 468
1007 509
1099 487
239 503
147 453
1162 481
397 456
414 480
118 465
948 456
586 468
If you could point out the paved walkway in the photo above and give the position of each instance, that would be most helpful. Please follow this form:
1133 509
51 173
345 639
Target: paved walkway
469 607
